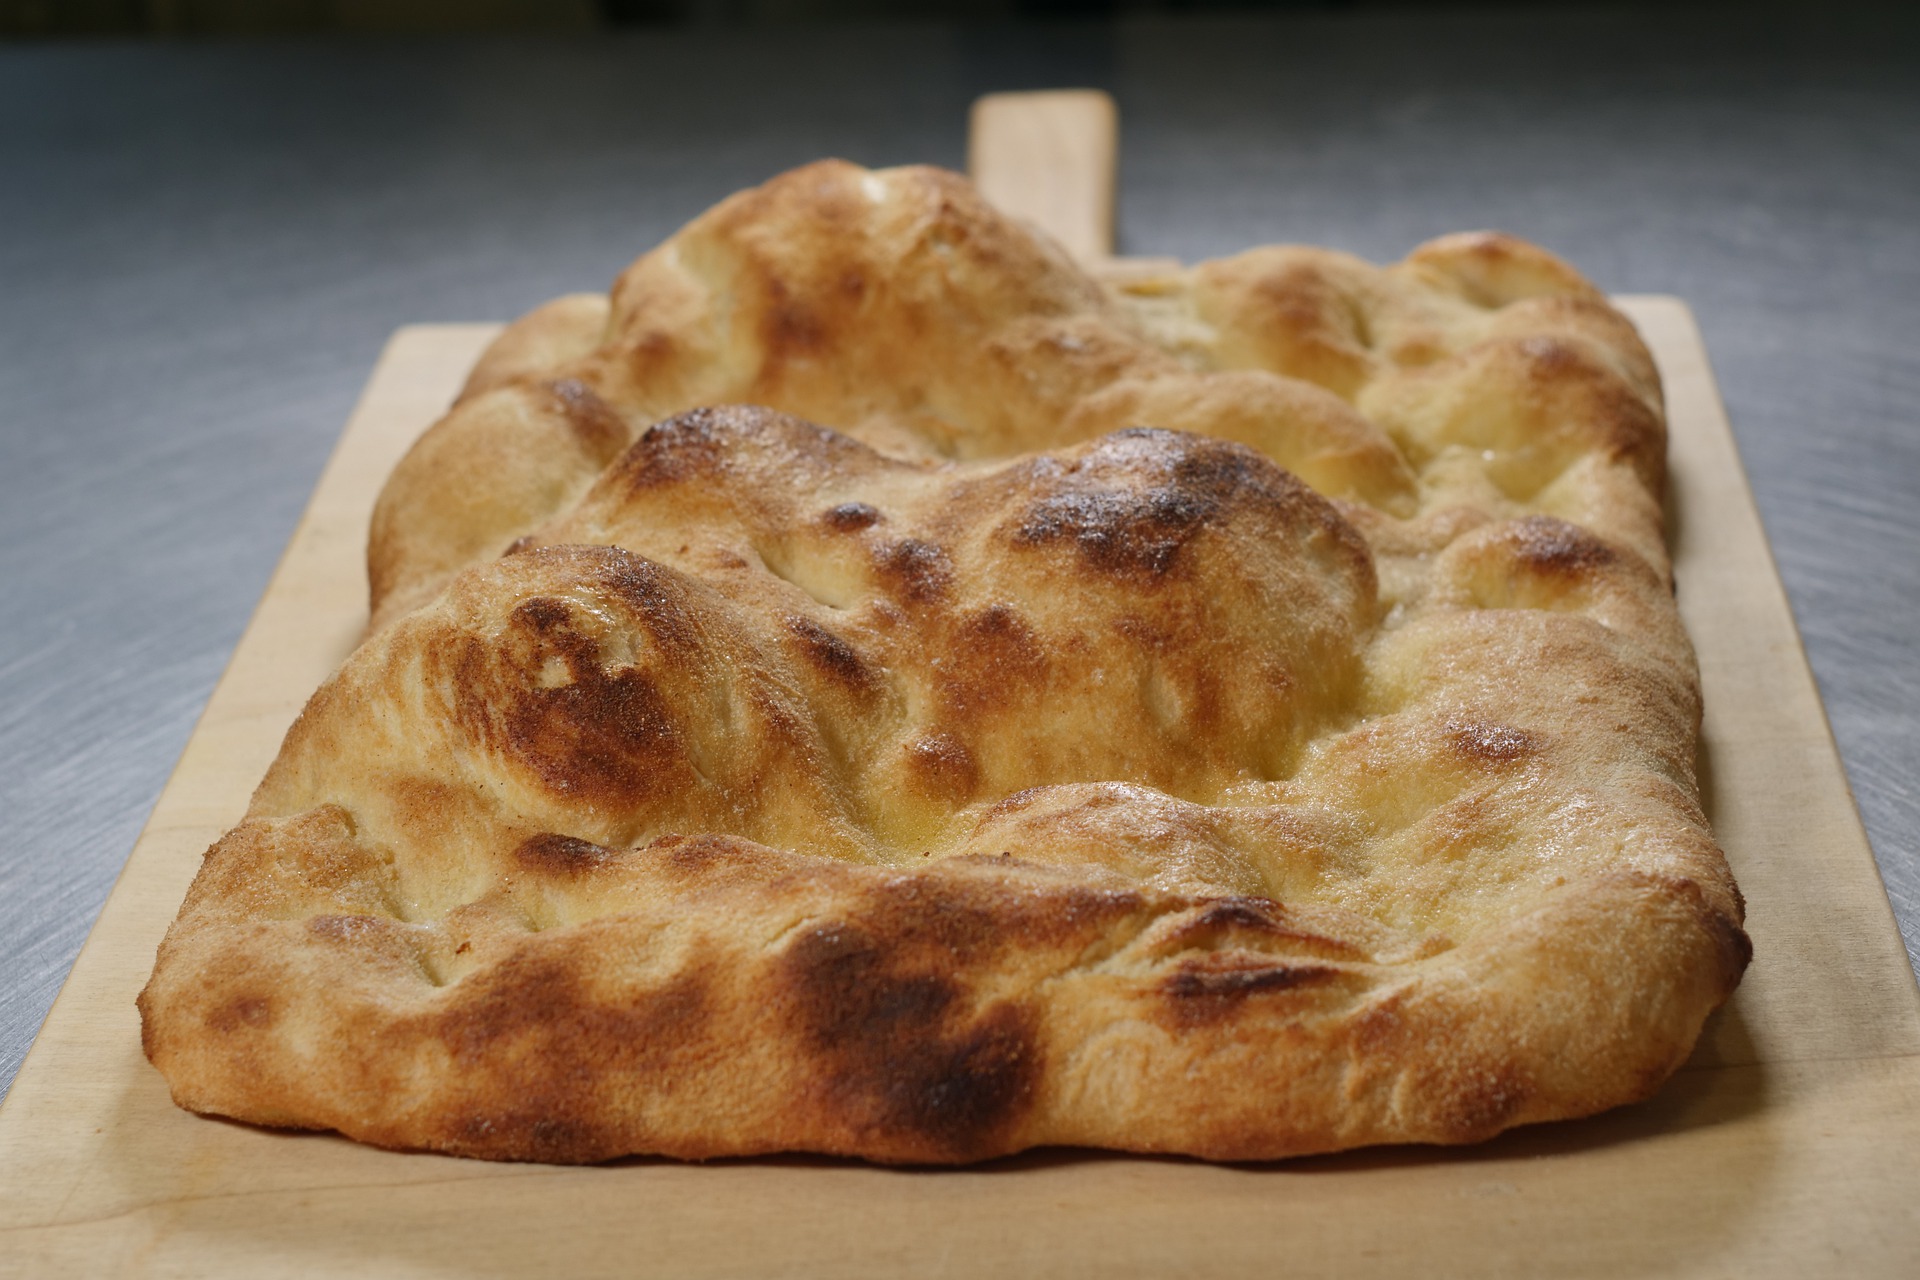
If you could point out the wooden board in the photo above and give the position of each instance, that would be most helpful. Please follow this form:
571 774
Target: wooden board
1785 1148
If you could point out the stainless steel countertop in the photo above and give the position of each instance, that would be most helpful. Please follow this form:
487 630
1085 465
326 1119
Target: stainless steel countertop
203 247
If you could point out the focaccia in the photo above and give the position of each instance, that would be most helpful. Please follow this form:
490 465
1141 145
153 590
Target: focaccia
870 687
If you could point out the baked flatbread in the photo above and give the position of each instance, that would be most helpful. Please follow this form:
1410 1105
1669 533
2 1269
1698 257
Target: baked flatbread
867 687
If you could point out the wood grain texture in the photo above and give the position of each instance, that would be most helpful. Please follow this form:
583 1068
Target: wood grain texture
1782 1149
1050 158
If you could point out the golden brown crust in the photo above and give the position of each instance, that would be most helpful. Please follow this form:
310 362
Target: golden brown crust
1023 756
895 307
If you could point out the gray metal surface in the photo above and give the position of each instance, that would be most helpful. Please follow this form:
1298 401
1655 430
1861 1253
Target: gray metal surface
203 247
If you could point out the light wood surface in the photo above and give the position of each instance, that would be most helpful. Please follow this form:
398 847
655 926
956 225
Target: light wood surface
1785 1148
1049 157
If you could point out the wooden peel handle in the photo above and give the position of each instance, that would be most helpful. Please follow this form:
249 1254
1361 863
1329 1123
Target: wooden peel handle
1049 158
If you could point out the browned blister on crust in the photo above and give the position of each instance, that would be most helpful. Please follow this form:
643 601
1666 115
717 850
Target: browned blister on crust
1239 712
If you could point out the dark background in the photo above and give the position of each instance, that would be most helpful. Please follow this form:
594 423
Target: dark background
200 17
205 241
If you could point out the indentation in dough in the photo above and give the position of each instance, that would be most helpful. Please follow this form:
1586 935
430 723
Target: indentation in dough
825 583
